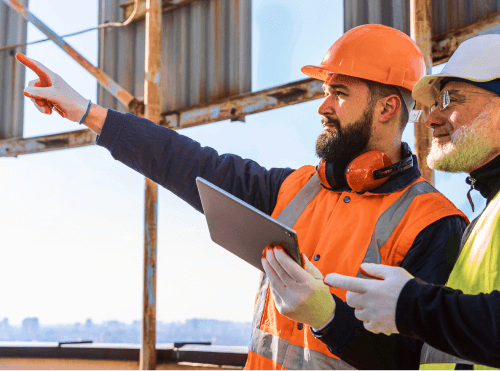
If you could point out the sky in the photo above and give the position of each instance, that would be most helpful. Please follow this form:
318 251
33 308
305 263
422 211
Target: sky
72 227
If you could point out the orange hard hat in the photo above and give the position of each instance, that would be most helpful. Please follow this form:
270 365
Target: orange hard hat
373 52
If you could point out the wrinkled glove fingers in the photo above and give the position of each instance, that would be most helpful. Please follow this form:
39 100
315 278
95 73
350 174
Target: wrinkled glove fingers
274 280
61 112
277 298
340 281
309 267
371 327
361 315
278 269
354 300
43 105
293 270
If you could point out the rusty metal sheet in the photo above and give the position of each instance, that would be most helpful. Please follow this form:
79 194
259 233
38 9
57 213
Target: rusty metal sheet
445 44
115 89
229 108
449 15
13 30
205 53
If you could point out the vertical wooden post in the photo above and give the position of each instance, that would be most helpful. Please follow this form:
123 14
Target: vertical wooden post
152 95
421 32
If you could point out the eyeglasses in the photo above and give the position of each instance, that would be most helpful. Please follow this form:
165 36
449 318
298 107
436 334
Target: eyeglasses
444 99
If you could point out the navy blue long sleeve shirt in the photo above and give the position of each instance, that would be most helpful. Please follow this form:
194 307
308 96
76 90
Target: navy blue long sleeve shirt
174 161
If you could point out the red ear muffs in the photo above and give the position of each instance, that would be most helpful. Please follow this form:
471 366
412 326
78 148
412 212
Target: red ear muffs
360 172
366 172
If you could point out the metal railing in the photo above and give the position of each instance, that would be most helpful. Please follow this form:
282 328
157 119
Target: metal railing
200 353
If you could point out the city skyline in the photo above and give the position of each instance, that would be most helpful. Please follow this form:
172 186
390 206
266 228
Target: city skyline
192 330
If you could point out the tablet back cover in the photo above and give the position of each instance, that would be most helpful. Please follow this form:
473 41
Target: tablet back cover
242 229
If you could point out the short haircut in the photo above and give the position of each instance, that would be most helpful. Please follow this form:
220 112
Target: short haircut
378 91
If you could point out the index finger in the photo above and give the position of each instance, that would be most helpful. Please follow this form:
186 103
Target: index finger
353 284
45 80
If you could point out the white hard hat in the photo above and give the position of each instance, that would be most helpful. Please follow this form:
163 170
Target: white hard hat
477 59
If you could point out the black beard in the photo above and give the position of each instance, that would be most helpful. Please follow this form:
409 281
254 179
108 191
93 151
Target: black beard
343 145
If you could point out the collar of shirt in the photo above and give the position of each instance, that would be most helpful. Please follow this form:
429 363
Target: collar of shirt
487 179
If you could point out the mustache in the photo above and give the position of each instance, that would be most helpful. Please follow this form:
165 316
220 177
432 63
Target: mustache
330 121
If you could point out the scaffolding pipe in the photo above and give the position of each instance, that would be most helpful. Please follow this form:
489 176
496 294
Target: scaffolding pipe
152 100
107 83
421 32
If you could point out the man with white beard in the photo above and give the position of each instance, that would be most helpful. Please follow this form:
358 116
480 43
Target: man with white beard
460 322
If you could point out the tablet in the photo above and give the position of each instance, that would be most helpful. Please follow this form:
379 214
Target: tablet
242 229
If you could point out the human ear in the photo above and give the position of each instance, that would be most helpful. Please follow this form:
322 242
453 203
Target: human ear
391 105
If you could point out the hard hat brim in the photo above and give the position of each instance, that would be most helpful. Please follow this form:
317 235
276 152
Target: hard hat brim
322 72
316 72
428 88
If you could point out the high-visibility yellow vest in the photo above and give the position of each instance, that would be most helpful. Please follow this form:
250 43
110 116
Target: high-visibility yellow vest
477 270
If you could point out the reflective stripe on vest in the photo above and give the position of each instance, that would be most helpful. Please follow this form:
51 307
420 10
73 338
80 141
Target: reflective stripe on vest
291 213
432 355
389 220
296 357
291 356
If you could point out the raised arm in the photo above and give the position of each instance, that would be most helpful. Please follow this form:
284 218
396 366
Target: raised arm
161 154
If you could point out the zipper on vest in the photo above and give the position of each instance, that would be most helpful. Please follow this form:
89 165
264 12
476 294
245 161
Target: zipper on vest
471 181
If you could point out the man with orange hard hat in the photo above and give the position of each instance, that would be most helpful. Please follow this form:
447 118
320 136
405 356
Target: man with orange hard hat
459 322
364 202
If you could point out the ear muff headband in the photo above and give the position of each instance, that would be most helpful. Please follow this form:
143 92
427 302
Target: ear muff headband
366 172
396 168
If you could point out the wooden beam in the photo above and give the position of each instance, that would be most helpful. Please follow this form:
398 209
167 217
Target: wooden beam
445 44
421 32
152 100
233 108
167 5
23 146
236 108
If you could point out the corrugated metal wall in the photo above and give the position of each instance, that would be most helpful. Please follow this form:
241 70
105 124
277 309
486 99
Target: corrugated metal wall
206 52
446 14
13 30
394 13
450 14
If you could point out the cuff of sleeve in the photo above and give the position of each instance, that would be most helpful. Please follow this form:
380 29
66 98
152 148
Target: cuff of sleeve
407 306
341 328
110 130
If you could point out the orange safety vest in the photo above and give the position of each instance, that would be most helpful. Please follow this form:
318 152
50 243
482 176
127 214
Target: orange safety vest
337 231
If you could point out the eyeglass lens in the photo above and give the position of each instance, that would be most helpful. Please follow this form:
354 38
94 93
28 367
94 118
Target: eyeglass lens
442 101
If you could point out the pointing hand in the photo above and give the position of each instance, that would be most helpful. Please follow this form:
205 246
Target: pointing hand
50 91
375 300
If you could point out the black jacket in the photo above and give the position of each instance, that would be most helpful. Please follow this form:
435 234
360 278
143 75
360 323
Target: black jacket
174 161
466 326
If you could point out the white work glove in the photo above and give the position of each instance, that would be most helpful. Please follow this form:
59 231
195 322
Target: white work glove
299 294
51 91
374 300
